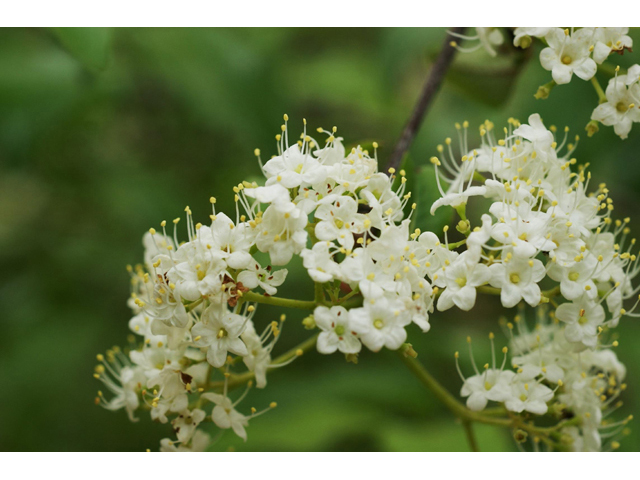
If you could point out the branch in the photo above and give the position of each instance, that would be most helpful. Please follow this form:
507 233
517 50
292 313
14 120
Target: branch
431 86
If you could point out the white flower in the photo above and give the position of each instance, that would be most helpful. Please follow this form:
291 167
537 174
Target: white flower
622 107
220 331
461 279
186 422
224 415
282 234
332 153
231 241
125 385
522 35
258 357
522 228
339 221
479 237
492 384
319 262
536 133
541 362
490 37
583 316
608 40
199 443
380 323
577 279
256 276
528 397
384 202
518 279
200 275
294 168
568 54
336 331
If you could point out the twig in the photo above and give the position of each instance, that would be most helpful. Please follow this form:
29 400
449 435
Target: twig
471 438
431 86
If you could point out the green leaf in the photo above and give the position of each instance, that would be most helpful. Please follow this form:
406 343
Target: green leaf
90 46
426 192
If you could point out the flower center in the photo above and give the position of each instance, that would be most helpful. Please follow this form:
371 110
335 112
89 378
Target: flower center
201 274
461 281
222 333
582 319
574 276
622 107
515 278
487 386
523 398
299 168
339 223
339 330
378 324
566 59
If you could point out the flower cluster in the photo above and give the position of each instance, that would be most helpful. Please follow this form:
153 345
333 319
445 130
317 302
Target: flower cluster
543 225
194 302
578 51
550 376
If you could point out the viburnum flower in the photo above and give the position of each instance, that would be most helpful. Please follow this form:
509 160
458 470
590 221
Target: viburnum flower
220 331
568 53
193 302
199 443
282 234
490 385
185 424
225 416
517 279
522 35
583 316
339 221
319 262
622 108
528 397
294 168
576 280
461 279
380 323
336 332
608 40
256 276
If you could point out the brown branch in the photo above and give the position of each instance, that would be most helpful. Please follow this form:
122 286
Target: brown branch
431 86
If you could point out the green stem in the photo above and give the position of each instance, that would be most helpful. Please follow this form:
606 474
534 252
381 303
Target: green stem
453 246
279 302
193 305
318 293
471 438
596 85
489 290
238 380
466 415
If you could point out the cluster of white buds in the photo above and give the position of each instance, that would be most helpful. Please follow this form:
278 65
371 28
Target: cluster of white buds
575 390
579 51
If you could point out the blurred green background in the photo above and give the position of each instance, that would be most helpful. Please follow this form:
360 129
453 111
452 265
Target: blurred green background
104 133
